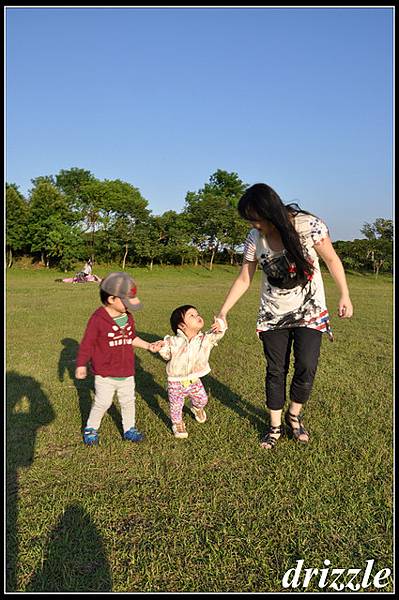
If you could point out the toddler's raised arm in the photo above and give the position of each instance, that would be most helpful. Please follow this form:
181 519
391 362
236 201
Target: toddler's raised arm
217 331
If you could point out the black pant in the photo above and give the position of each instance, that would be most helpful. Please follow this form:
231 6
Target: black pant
277 345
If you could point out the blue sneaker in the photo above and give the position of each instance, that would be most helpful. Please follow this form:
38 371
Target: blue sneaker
133 435
90 436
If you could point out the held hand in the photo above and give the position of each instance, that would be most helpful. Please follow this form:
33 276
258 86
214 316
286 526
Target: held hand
80 373
216 325
156 346
345 308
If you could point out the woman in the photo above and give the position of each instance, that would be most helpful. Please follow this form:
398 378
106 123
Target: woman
87 269
86 274
286 242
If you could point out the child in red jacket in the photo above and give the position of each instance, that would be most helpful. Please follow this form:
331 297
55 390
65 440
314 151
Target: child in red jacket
108 344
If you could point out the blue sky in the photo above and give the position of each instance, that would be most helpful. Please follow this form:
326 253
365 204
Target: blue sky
298 98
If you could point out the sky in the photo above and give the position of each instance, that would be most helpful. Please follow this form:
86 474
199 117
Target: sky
298 98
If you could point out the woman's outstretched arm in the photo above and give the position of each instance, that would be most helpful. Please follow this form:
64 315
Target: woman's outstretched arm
239 287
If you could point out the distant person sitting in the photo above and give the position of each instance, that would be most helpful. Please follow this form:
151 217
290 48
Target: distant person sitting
87 269
86 273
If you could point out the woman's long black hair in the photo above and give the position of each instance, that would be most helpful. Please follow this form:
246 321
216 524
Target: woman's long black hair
261 202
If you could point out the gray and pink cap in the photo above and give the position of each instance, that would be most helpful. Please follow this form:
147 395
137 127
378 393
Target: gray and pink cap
124 287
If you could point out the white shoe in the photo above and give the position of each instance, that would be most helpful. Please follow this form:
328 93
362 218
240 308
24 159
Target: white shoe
199 413
179 430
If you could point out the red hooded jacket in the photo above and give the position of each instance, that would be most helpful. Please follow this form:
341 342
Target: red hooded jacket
107 346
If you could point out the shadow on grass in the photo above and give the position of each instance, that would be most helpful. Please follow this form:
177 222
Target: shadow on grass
245 410
150 390
74 559
146 385
28 409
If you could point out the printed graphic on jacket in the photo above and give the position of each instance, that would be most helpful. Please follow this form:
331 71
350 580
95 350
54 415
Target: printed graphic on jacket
120 335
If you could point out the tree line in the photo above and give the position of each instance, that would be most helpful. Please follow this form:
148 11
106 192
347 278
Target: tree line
71 216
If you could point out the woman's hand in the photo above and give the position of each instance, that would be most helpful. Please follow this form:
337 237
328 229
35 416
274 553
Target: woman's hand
216 328
219 324
325 249
345 308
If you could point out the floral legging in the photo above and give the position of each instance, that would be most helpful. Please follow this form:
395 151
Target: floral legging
177 393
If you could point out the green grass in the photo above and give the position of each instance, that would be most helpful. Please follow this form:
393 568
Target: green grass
214 512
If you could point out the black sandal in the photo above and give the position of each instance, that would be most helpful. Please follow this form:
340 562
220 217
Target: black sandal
296 431
269 439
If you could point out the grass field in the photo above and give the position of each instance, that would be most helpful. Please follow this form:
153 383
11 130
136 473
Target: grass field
215 512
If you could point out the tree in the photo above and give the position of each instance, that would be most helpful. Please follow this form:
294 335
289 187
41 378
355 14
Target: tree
36 181
64 243
176 233
213 214
380 229
379 244
47 208
380 255
366 255
147 240
121 210
236 234
353 254
71 181
232 188
16 221
91 201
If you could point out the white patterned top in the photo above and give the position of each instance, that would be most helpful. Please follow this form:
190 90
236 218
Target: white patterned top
188 359
283 303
